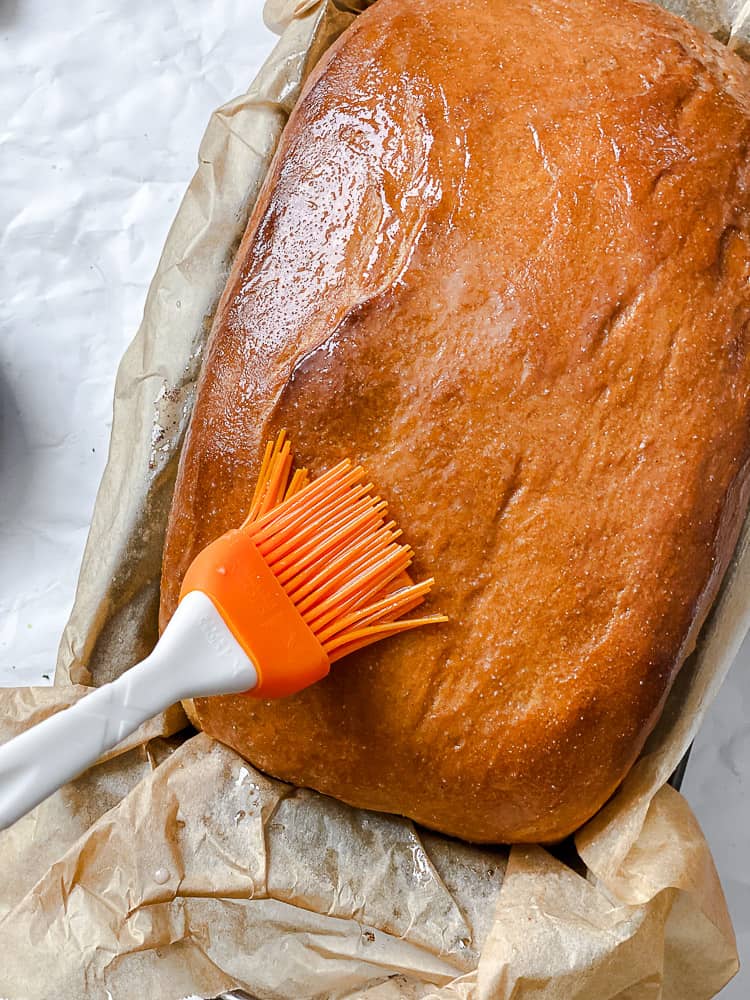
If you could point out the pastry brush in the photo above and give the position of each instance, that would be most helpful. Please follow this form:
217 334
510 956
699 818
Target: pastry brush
314 573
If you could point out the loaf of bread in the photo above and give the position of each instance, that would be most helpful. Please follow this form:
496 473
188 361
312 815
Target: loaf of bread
502 259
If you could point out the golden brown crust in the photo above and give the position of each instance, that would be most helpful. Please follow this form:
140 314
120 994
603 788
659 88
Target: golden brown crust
502 259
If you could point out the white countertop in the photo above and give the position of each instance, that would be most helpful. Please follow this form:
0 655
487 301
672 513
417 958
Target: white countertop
102 107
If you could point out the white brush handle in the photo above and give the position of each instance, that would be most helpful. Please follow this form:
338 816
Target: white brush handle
196 656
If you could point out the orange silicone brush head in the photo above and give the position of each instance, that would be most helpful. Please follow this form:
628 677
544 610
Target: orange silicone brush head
314 573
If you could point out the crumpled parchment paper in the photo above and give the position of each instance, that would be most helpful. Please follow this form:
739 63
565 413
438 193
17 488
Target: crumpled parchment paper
175 868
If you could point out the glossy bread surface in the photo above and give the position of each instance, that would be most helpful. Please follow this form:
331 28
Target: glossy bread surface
502 260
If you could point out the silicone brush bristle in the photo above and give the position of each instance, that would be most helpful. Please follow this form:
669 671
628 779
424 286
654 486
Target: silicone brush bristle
331 548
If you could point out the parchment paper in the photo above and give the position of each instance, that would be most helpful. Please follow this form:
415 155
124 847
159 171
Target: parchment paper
174 867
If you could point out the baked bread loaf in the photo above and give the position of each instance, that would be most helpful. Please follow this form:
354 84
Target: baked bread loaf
502 260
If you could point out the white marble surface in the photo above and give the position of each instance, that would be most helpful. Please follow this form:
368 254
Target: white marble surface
102 106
